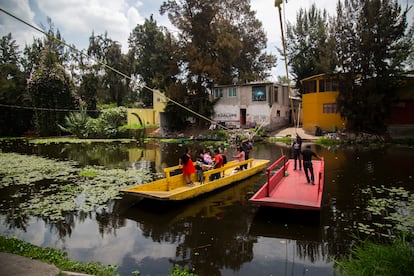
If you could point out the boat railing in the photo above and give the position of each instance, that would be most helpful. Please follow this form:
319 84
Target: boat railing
208 173
227 166
168 170
321 177
272 180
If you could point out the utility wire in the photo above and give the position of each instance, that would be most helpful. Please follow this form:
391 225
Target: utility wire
43 108
109 67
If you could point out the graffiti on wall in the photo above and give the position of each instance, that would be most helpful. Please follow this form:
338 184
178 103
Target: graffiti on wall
226 115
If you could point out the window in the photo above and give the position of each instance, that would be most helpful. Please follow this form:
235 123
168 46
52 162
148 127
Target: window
309 87
322 85
328 85
232 92
218 93
259 93
276 95
329 108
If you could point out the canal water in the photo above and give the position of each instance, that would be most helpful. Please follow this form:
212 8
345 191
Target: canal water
219 233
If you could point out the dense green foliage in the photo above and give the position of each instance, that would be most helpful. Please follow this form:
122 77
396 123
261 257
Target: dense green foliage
379 49
310 46
12 90
219 42
368 42
370 258
153 51
108 124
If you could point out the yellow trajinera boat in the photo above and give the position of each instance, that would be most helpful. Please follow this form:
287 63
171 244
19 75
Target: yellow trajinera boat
175 187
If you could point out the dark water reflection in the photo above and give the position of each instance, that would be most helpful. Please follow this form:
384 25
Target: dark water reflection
220 233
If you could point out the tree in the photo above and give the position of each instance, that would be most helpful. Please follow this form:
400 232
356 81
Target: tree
220 41
372 48
51 92
310 48
88 91
152 54
115 88
52 42
14 120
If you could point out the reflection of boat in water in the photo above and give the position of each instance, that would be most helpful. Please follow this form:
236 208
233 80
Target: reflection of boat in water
286 224
288 188
172 188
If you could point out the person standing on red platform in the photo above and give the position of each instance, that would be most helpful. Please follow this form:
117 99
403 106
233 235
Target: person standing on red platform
307 154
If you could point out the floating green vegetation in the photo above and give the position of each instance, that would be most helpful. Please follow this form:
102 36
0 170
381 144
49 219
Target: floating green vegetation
73 140
17 169
50 189
57 257
327 142
285 140
394 206
177 271
88 173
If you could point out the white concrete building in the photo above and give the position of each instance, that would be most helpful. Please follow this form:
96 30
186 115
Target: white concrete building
248 105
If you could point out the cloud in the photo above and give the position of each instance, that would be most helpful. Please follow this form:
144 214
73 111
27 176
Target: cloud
20 32
268 14
76 19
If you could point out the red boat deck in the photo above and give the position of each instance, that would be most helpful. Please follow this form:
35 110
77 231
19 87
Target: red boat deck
291 190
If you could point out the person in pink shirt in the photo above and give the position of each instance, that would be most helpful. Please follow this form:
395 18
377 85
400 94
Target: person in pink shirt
240 156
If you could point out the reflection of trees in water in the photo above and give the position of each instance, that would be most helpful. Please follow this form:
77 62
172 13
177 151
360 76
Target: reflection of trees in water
112 155
10 207
206 243
312 250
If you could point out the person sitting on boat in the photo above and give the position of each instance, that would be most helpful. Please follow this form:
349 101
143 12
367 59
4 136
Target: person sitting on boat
223 152
207 158
307 154
218 163
246 147
297 148
188 166
240 156
200 167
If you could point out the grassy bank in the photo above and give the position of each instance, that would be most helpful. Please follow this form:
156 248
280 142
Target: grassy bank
60 259
370 258
55 257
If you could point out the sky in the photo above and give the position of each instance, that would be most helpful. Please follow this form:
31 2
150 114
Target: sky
76 19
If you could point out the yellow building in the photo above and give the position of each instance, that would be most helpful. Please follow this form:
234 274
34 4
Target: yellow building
319 103
148 116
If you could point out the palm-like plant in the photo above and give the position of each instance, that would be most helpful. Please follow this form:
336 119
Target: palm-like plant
75 123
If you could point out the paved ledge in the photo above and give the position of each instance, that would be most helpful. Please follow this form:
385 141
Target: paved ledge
15 265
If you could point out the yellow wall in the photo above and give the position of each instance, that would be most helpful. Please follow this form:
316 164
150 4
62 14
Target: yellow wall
148 115
313 112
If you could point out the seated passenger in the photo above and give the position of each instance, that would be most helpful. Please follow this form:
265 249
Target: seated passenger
207 158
